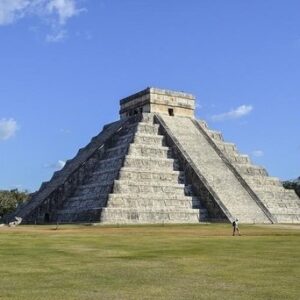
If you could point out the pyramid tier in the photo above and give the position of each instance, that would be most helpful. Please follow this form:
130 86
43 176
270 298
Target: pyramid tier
151 176
145 216
161 200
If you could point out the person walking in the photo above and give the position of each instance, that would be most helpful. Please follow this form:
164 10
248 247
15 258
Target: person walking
235 225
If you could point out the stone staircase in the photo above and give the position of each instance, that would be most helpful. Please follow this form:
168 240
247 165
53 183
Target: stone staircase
150 188
86 203
136 181
283 204
218 175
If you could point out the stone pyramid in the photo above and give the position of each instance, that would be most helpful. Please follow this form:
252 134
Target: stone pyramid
158 164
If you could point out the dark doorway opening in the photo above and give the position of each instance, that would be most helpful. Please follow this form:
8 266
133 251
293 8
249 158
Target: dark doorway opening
47 218
171 112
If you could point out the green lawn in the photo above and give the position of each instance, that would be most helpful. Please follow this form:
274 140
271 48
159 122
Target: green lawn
150 262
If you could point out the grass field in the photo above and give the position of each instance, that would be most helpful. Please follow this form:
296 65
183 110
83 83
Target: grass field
150 262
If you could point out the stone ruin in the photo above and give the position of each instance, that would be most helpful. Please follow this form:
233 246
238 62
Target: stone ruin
158 164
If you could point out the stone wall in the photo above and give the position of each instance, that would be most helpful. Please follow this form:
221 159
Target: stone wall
52 194
154 100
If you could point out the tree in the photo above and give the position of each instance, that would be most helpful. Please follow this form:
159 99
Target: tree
294 184
9 200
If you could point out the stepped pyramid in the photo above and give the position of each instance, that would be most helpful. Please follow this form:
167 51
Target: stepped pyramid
158 164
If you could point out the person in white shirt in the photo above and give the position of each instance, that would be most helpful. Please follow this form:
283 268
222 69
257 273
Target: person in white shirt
235 225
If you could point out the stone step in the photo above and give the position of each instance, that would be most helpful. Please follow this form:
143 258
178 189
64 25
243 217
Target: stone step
142 163
268 188
215 135
123 140
149 151
103 176
122 186
116 151
151 176
294 205
148 118
93 189
247 169
150 203
283 195
262 180
127 129
143 127
238 158
140 216
148 139
104 171
203 124
156 196
90 203
83 198
226 147
110 163
146 128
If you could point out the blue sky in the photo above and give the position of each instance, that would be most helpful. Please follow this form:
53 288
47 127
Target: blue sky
64 65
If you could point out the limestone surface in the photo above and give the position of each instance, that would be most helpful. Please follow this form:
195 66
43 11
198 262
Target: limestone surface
158 164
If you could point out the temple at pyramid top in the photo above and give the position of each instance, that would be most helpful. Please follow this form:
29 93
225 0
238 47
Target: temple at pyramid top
154 100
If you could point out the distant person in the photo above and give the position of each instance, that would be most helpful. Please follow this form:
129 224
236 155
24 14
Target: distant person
235 225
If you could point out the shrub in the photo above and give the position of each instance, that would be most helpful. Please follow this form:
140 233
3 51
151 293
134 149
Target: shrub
294 184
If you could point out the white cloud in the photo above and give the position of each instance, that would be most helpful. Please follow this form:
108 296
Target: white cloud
8 128
55 12
10 10
257 153
55 37
57 165
239 112
65 9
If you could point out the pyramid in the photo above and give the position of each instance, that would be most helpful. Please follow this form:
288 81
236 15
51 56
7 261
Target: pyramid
158 164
